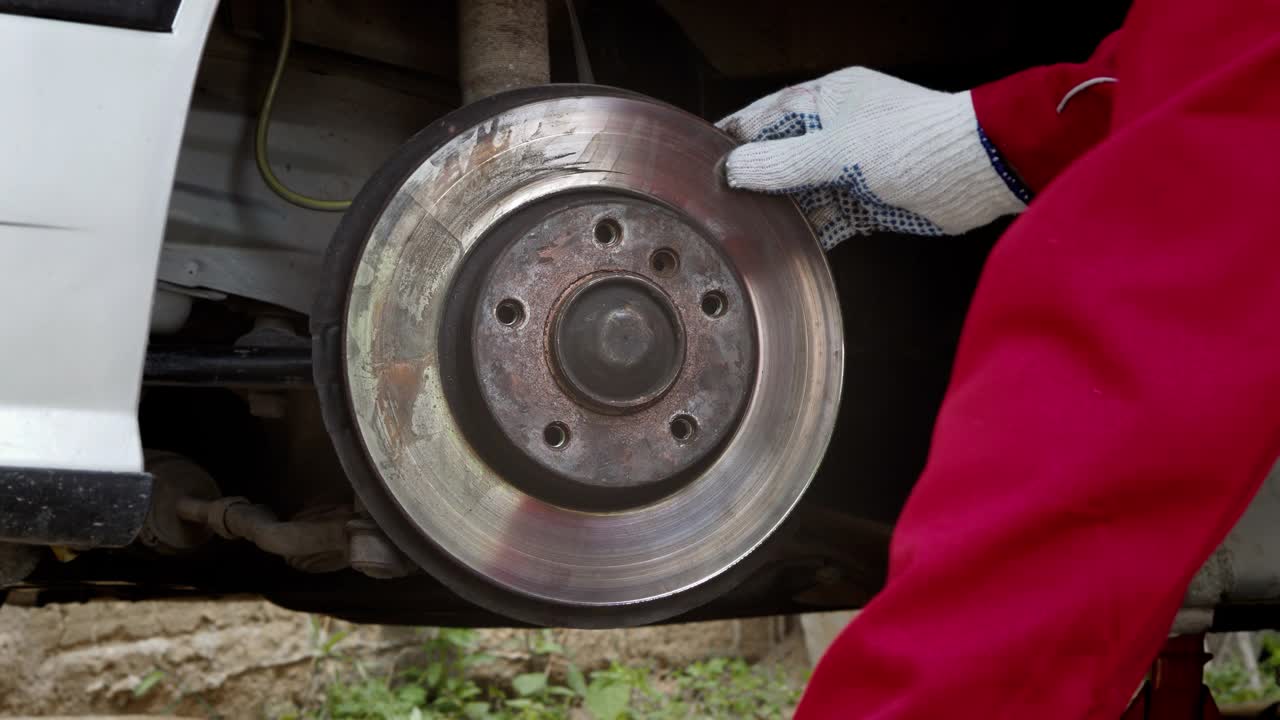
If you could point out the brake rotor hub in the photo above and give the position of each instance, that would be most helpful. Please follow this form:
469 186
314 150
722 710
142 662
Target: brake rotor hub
594 353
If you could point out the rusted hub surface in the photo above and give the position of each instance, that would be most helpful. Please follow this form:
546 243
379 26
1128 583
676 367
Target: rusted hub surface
590 339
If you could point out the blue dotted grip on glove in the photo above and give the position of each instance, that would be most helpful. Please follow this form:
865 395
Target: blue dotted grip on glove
791 124
857 210
845 206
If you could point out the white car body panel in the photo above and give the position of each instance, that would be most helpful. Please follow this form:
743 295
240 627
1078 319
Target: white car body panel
90 125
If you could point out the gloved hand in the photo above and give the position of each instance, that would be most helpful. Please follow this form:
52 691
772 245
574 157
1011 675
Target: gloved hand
864 152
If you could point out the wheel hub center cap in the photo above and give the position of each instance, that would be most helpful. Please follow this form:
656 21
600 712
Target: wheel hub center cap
617 341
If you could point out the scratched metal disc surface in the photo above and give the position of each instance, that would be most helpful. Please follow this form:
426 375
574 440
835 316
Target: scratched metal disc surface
570 372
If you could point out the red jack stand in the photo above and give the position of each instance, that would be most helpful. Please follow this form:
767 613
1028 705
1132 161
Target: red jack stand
1175 689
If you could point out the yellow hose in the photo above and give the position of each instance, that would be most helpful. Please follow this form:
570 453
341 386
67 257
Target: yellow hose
264 124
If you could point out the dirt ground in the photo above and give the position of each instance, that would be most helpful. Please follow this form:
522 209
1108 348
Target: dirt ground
243 658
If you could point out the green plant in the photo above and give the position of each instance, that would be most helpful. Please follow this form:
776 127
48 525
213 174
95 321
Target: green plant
148 682
156 678
1231 682
447 685
610 694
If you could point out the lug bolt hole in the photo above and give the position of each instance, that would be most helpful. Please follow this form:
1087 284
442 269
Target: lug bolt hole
608 232
509 312
714 304
683 428
556 435
664 262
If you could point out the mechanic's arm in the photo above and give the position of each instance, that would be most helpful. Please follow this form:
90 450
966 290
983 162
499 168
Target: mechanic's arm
864 152
1113 405
1044 118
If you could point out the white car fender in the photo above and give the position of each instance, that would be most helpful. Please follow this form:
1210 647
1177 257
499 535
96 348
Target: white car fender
90 122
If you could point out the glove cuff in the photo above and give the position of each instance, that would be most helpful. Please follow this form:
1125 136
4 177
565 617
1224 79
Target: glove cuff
946 170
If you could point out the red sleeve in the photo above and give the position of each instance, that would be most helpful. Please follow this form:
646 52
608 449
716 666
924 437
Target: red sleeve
1113 406
1020 116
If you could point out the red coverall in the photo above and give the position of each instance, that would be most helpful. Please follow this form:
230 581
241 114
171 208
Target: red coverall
1115 402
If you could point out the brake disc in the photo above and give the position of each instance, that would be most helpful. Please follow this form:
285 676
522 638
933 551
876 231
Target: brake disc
568 371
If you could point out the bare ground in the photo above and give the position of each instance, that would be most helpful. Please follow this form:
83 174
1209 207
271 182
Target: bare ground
248 658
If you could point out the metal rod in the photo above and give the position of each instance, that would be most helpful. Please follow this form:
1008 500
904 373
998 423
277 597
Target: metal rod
254 367
235 518
502 45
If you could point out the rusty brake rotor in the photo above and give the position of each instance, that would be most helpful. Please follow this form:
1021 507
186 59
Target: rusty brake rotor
576 377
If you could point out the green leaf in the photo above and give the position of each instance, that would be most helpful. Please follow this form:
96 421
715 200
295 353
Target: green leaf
412 695
459 637
561 691
574 677
476 710
471 661
607 700
415 714
334 639
148 681
529 683
519 703
546 644
434 672
447 705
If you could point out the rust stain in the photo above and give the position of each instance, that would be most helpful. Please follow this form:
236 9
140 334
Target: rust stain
399 383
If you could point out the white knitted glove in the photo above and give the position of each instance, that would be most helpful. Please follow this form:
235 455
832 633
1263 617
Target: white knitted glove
864 152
